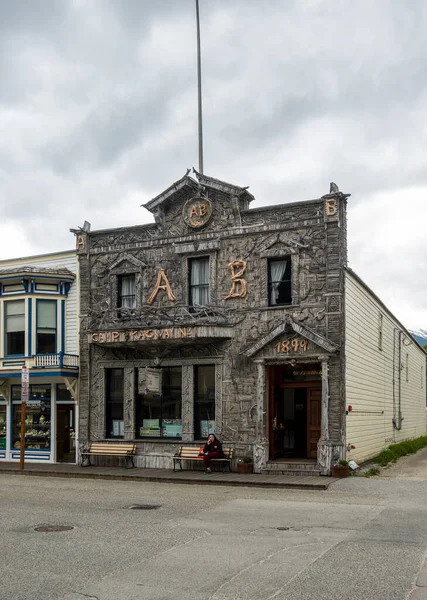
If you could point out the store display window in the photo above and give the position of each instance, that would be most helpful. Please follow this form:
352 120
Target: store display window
114 403
204 401
159 405
37 420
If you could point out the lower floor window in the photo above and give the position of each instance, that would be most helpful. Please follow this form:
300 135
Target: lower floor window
115 403
159 404
204 401
37 424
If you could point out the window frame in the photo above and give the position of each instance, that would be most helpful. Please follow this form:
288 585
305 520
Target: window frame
5 318
108 403
289 280
120 296
42 301
140 401
190 261
196 411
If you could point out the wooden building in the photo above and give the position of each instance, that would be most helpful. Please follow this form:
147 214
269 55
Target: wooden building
39 329
242 321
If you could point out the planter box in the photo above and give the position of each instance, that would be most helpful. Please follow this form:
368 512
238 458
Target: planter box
245 467
340 471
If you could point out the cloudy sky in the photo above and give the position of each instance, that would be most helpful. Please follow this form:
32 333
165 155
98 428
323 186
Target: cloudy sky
98 114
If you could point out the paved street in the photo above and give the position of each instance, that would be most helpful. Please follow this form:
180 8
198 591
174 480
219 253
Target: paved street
360 539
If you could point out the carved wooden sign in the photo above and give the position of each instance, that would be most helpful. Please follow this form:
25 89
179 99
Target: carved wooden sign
238 288
111 337
80 242
292 346
331 209
162 283
197 212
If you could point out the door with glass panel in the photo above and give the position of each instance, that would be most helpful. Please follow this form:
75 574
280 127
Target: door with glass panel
65 428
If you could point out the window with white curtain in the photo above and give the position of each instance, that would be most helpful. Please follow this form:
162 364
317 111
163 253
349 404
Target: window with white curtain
126 297
280 281
199 281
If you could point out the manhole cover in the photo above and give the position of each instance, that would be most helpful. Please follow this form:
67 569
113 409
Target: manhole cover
144 506
49 528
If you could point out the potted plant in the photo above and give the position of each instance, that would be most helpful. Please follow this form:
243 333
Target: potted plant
245 465
340 469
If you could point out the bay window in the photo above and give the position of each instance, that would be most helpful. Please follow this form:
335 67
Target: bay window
14 327
46 326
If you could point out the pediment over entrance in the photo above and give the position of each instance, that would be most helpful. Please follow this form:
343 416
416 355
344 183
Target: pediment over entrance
291 339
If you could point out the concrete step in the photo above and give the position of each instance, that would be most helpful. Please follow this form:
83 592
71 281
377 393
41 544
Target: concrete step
292 468
292 472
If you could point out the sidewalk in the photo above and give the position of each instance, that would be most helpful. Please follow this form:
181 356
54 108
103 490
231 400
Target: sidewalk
168 476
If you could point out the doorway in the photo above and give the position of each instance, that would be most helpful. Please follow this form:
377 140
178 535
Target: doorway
65 433
294 412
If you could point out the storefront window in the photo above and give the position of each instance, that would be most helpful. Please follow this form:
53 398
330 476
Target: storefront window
159 404
37 421
204 401
2 426
114 403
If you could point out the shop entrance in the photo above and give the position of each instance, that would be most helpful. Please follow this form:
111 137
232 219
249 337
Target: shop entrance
294 410
65 433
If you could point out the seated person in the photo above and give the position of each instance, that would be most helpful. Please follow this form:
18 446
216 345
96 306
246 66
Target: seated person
212 449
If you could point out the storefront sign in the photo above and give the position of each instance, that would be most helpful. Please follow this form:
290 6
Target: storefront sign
292 346
137 335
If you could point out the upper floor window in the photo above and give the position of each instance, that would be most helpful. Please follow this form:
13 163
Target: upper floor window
126 297
46 327
14 327
199 281
280 281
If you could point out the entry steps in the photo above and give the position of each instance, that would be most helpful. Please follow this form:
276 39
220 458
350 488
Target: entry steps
290 467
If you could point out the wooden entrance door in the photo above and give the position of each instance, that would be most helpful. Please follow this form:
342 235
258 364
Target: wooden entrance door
314 410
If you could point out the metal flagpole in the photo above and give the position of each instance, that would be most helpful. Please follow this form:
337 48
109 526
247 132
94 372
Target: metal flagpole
199 85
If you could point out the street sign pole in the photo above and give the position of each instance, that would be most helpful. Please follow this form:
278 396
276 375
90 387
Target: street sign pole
25 380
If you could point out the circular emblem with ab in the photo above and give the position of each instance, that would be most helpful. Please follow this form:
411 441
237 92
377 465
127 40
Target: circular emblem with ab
197 212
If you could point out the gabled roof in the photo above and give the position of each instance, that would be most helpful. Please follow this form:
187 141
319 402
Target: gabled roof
184 186
306 332
179 189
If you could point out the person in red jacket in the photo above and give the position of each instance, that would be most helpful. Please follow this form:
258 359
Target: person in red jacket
212 449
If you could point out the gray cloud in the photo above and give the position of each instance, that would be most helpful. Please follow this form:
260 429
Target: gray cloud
98 111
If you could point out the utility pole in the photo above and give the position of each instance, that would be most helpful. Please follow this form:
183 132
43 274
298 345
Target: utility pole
199 85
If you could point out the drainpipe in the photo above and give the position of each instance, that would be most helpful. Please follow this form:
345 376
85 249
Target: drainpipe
397 421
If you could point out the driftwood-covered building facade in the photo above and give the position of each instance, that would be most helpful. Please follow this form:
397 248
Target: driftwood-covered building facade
216 317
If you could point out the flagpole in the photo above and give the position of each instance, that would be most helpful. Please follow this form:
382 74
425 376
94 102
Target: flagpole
199 85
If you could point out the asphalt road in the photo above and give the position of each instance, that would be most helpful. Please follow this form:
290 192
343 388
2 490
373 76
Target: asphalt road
362 539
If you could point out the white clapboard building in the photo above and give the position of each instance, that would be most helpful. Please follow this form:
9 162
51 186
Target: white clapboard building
385 375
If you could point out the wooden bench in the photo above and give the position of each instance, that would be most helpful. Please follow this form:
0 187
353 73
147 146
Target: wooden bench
108 449
186 453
